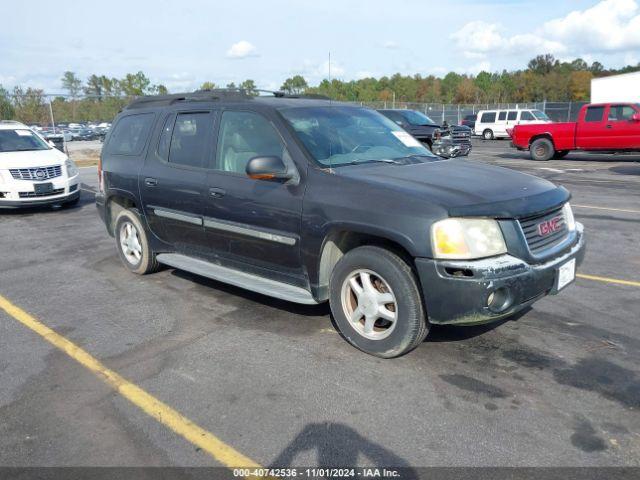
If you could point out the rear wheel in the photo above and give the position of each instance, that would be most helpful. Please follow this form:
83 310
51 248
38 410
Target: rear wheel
376 302
487 134
542 149
133 244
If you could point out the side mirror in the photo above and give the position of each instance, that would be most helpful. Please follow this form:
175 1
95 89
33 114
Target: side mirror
635 117
267 168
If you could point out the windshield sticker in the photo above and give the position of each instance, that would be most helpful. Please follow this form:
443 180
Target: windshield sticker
407 139
24 133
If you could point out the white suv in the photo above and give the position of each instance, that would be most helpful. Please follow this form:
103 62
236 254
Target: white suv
32 172
492 124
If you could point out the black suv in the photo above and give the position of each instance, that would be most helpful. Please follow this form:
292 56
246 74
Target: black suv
447 141
310 200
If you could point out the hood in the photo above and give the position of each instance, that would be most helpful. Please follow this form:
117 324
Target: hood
35 158
465 188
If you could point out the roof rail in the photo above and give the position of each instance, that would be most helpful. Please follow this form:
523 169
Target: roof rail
213 94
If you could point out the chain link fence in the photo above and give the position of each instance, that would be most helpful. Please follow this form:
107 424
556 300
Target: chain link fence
44 109
453 114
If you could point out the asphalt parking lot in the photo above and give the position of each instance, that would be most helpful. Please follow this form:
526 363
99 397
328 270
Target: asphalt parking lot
557 386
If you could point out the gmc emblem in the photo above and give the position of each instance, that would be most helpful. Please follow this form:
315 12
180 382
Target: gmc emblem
549 226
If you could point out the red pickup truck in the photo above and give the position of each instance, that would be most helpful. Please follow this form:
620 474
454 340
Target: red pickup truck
604 127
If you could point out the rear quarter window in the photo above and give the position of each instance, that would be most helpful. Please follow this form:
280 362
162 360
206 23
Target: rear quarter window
594 114
488 117
130 134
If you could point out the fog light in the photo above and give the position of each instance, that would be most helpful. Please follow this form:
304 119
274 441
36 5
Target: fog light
499 300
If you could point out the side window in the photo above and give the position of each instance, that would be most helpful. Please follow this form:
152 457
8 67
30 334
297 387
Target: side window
620 113
502 116
165 138
191 136
526 115
130 134
244 135
513 115
488 117
594 114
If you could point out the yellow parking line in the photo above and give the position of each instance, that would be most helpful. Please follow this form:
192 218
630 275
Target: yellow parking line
608 280
606 208
153 407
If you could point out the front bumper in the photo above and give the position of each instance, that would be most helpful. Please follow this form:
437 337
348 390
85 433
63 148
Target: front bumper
451 150
16 193
457 292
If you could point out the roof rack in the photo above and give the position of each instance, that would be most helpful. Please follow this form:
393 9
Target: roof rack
213 94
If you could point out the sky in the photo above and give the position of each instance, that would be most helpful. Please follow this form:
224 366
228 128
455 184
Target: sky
182 44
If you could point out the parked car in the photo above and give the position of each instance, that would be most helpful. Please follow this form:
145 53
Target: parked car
604 127
55 138
86 134
32 172
469 121
492 124
311 201
443 140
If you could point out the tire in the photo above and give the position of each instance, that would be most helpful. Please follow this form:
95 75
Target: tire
542 149
390 276
488 134
560 154
145 261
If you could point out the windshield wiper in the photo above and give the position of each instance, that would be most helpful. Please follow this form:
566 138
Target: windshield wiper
383 160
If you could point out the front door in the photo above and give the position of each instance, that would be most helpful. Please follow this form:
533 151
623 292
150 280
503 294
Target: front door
501 124
173 179
621 131
260 219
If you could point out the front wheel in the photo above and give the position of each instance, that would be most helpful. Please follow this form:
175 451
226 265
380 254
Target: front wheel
542 149
487 134
376 302
133 244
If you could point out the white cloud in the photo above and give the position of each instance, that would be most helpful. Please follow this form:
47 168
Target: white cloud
242 49
609 26
478 39
391 45
364 74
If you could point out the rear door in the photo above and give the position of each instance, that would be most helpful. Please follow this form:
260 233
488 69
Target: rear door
172 182
622 132
591 130
501 124
260 219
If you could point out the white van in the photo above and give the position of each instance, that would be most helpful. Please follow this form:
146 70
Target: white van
492 124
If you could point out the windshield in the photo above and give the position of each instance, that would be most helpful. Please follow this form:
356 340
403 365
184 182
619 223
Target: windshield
417 118
540 115
340 135
21 140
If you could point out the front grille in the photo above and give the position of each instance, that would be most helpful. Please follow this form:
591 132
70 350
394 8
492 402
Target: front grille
56 191
539 243
36 173
461 138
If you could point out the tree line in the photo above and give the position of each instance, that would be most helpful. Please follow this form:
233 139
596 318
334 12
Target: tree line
100 98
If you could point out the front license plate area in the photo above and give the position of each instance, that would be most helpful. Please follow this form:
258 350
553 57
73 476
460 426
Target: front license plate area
566 274
41 188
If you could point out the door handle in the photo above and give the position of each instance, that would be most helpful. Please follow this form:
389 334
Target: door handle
217 192
151 182
609 126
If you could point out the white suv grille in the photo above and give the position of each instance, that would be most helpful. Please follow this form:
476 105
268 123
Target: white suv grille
36 173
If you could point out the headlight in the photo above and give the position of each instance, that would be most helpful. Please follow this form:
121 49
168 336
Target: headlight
467 238
72 170
569 220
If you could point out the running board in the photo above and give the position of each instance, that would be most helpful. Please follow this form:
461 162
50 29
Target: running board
262 285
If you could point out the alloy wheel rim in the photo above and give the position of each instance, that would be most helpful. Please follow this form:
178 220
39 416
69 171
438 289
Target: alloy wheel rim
369 304
130 243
